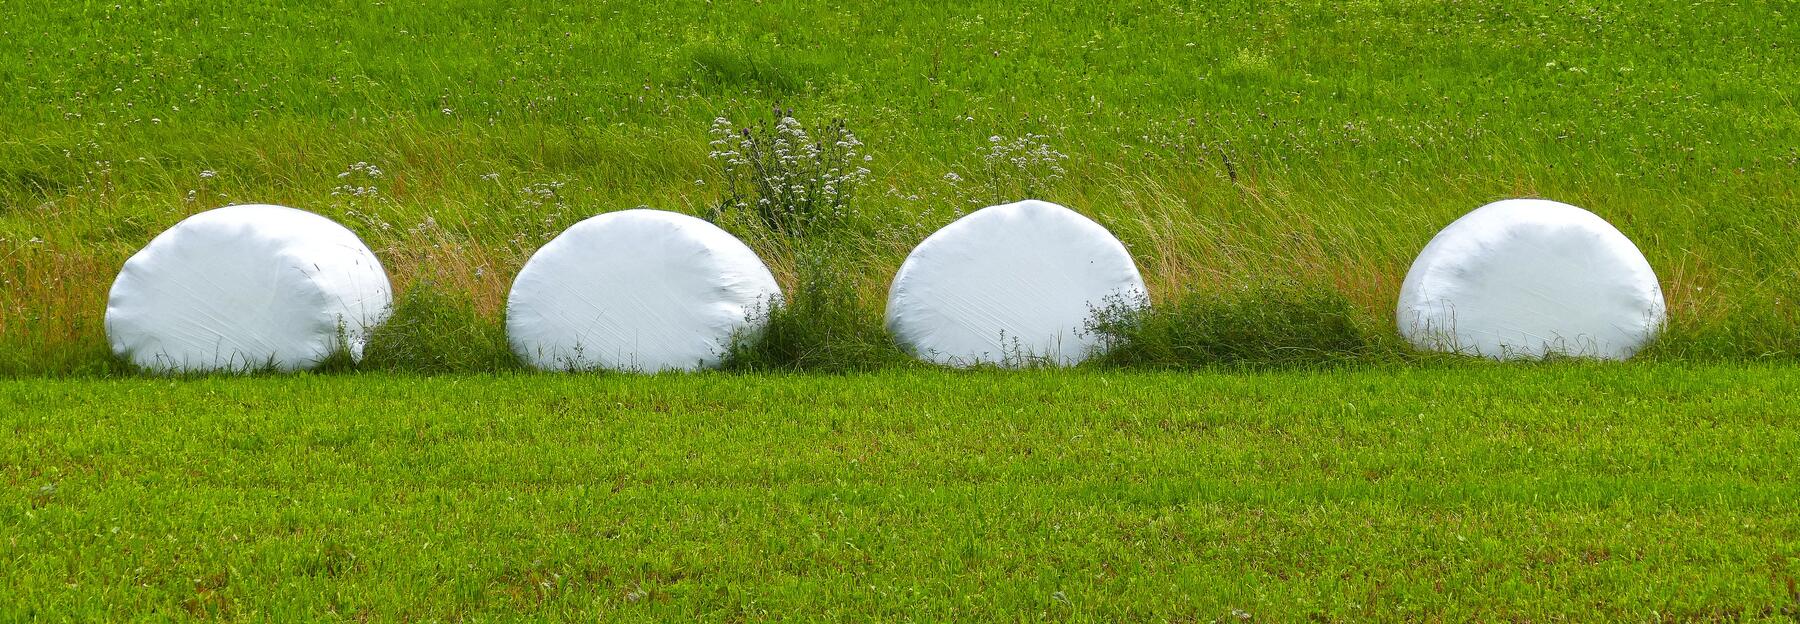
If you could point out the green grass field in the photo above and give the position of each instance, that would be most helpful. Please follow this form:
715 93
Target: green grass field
1226 142
1272 166
1500 493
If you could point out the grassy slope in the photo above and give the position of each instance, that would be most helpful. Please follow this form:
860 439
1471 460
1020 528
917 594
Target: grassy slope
1642 492
1226 142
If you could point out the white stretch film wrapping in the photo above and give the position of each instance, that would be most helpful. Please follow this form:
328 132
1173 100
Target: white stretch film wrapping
636 290
1526 278
1009 285
246 287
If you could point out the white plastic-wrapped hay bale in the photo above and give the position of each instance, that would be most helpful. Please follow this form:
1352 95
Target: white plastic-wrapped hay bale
247 287
1527 278
636 290
1010 285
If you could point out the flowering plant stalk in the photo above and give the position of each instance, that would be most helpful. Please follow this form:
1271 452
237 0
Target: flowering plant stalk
791 181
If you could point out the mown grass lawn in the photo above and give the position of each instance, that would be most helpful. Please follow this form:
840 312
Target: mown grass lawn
1633 492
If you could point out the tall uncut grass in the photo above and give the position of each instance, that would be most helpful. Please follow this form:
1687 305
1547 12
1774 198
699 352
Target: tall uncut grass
1228 145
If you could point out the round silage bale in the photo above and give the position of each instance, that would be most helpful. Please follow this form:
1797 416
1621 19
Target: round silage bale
247 287
636 290
1530 278
1011 285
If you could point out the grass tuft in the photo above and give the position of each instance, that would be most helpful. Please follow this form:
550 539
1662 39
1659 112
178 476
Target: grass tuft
438 330
1274 324
1744 333
822 324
